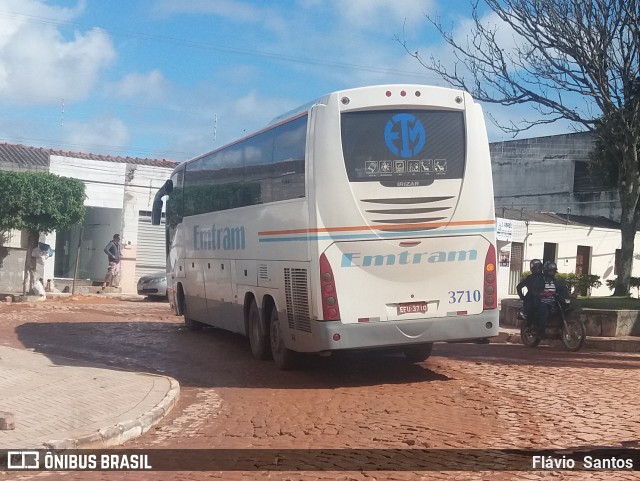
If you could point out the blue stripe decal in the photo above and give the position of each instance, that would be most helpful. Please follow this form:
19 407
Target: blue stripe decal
385 235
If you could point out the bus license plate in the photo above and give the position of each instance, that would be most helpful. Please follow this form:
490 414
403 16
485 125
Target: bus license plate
412 307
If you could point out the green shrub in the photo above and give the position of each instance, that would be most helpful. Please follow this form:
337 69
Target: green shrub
580 282
634 282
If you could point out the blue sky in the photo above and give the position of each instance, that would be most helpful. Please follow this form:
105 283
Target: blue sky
174 78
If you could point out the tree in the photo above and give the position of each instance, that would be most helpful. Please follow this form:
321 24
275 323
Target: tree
572 59
607 163
39 202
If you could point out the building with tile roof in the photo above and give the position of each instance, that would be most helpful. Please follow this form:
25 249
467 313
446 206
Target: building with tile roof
119 192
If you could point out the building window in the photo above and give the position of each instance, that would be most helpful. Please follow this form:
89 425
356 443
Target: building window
584 181
16 239
550 252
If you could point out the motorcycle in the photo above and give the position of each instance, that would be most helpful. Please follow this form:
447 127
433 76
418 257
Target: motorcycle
570 330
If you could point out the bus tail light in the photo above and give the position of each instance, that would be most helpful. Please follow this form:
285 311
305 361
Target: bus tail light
330 309
490 280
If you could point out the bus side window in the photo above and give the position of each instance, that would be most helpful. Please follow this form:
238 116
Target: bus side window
174 203
287 178
258 157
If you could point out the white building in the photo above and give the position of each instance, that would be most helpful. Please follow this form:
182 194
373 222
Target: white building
577 244
119 192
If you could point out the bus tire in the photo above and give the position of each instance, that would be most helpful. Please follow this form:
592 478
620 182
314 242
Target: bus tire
285 359
191 324
418 353
258 338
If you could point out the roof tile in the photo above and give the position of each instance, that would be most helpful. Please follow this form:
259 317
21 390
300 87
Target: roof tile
23 154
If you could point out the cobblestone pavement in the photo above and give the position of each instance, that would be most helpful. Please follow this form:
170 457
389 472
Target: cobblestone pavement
465 396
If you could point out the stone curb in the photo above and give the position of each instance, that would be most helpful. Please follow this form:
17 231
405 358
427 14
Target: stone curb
124 431
592 343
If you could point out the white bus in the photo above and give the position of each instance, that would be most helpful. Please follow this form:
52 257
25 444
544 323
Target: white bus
363 220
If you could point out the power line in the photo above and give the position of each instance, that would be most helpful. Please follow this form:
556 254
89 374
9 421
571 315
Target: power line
207 46
40 20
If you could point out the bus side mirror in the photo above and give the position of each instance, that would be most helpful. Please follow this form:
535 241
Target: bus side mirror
156 212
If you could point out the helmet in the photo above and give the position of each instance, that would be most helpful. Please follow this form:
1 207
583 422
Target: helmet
550 267
535 265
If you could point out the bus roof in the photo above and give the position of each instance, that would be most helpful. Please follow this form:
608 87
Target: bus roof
298 110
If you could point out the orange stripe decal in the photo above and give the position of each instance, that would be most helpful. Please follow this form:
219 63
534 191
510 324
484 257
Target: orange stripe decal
379 227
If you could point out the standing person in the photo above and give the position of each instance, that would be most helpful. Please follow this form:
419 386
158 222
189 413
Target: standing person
114 253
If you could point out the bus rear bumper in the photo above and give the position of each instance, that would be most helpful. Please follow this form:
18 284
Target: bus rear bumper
331 336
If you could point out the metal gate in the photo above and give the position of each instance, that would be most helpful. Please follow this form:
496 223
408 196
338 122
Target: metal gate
151 253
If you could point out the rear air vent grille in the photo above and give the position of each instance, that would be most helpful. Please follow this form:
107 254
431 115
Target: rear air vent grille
425 210
400 212
407 200
297 296
263 272
409 220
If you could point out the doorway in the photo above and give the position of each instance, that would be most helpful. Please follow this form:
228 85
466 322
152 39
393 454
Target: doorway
583 264
550 253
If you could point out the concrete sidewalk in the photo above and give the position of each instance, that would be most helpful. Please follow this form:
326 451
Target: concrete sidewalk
60 403
607 344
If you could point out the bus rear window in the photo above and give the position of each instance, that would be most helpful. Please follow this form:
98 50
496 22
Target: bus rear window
403 145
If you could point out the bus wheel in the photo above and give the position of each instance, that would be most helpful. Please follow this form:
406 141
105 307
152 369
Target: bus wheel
258 339
191 324
284 358
418 353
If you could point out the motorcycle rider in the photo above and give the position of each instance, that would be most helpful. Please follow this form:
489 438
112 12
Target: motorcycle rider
535 285
552 288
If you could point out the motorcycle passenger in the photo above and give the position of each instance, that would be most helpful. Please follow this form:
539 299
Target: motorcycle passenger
552 287
535 285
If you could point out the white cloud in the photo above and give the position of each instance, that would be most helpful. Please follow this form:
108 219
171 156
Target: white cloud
38 65
241 12
141 87
231 9
17 13
103 131
372 14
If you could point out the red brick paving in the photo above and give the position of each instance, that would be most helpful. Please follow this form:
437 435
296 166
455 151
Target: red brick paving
465 396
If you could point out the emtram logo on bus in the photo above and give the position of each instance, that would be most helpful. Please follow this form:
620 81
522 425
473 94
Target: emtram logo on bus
404 135
214 238
356 259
